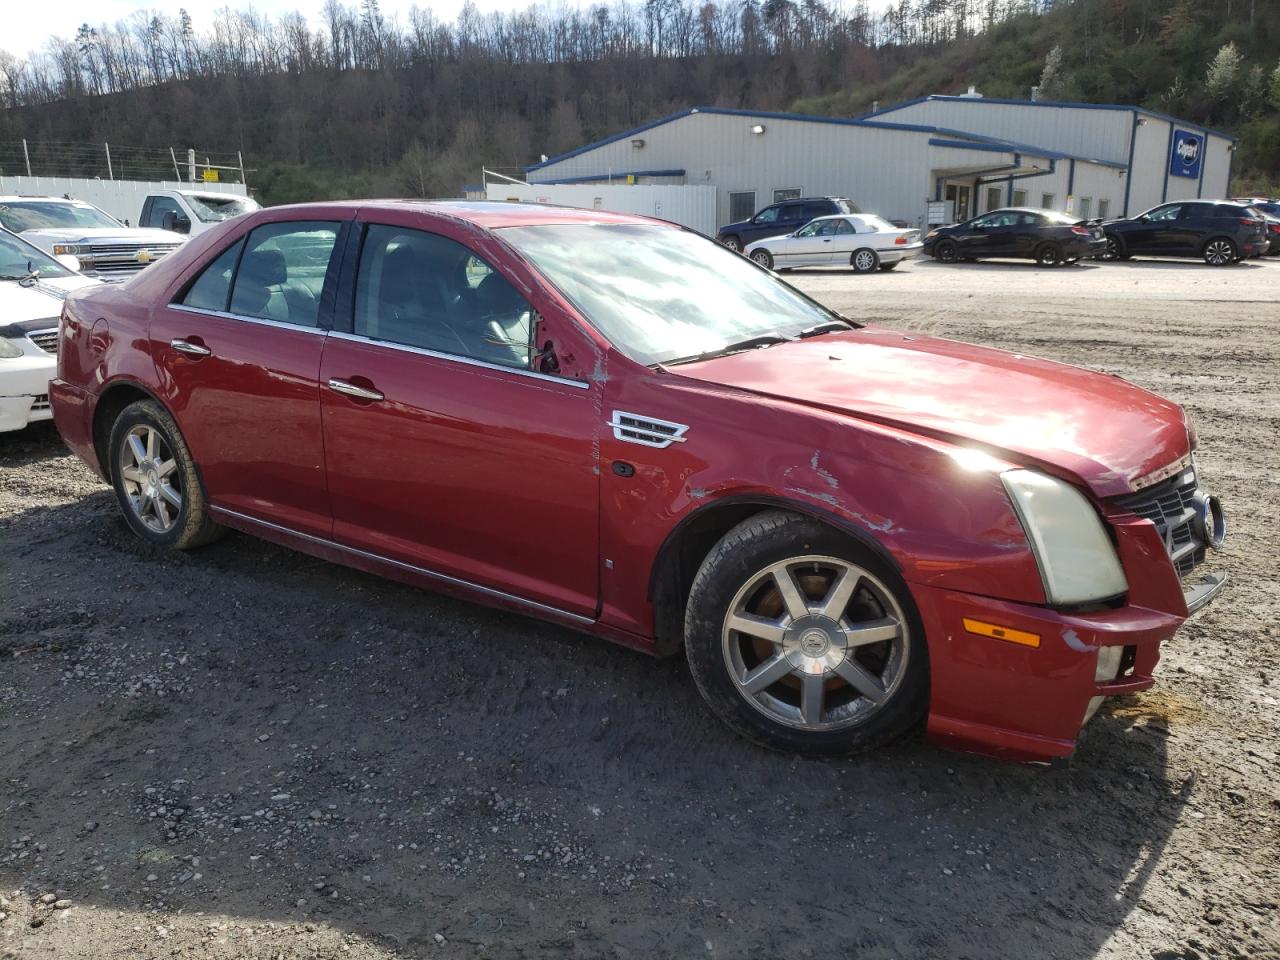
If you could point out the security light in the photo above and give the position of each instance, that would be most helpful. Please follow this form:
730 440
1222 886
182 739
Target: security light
758 129
638 143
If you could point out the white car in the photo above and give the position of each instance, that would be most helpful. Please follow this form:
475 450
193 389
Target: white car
104 247
863 241
32 286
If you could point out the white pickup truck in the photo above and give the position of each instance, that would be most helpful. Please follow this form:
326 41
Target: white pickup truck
104 247
192 211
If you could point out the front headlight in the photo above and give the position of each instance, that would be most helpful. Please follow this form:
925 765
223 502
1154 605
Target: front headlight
1077 562
72 249
9 349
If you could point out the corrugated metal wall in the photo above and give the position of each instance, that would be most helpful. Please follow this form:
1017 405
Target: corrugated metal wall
692 206
120 198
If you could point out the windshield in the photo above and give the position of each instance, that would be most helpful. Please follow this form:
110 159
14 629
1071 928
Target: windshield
212 208
20 215
659 293
18 258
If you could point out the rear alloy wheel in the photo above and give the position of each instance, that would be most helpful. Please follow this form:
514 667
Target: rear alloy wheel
802 640
764 258
864 260
1049 255
1220 252
946 251
733 243
155 479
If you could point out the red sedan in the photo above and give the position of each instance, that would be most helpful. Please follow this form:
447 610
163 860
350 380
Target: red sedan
620 426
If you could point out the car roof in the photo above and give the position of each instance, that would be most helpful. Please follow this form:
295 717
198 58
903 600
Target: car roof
804 200
488 214
20 197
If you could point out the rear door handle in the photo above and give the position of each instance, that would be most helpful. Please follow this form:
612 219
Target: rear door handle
190 349
351 390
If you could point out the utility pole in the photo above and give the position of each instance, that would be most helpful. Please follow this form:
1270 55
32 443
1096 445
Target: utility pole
110 173
191 163
26 156
177 174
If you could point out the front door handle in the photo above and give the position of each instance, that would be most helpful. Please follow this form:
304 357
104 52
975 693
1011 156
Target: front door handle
351 390
190 349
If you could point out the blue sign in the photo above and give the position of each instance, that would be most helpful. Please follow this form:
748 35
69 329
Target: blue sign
1187 154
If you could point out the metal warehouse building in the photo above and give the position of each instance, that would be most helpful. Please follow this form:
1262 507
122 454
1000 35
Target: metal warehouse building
935 159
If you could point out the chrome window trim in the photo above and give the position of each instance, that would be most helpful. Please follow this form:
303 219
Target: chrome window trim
279 324
458 358
412 568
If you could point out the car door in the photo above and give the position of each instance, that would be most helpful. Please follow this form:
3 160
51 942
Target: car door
975 238
446 449
1151 232
1186 234
846 238
767 223
1026 232
237 353
810 246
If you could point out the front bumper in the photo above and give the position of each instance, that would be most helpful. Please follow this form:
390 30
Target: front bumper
1025 703
24 389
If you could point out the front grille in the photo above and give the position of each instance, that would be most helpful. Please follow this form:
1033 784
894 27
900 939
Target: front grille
46 340
1171 506
41 402
121 259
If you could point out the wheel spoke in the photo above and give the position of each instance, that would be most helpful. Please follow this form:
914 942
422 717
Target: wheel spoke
168 493
166 468
839 595
765 675
792 597
132 474
754 626
161 511
873 631
861 680
811 694
152 440
136 448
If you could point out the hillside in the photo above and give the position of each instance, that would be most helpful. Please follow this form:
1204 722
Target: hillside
368 105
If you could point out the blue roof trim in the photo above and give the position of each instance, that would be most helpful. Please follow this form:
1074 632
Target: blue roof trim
1049 103
1008 146
971 145
601 177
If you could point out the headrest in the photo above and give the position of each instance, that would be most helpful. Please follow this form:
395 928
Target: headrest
263 267
399 277
496 295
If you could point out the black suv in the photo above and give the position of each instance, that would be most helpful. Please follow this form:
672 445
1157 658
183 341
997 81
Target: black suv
779 219
1271 210
1218 231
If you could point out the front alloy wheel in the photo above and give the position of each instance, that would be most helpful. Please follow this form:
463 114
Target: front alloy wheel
803 639
733 243
946 251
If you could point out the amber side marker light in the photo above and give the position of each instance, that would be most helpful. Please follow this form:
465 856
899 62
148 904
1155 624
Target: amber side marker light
984 629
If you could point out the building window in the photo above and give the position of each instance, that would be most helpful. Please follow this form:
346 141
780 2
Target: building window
993 199
1047 201
1019 198
1104 207
790 193
1086 204
742 206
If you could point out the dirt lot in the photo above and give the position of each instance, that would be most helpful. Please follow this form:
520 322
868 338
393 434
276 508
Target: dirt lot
243 752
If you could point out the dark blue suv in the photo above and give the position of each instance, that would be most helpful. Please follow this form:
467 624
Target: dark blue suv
779 219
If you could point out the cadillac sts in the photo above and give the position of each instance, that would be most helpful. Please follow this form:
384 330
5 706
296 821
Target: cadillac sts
622 427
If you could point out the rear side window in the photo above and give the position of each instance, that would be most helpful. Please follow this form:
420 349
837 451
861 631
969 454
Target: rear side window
794 211
820 209
1229 210
212 288
423 290
282 271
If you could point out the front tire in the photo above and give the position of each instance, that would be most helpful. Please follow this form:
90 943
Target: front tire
733 243
764 258
803 640
155 479
864 260
1115 249
1220 252
946 251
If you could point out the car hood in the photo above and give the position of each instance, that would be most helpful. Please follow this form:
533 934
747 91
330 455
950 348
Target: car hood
104 235
40 300
1101 429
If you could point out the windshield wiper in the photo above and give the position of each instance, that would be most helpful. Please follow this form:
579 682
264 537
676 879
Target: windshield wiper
751 343
827 326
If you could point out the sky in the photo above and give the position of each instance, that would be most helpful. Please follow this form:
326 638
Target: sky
27 26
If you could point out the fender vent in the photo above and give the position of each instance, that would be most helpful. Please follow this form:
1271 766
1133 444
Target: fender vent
646 431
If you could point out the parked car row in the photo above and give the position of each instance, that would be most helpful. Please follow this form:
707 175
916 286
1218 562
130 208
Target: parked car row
831 230
850 532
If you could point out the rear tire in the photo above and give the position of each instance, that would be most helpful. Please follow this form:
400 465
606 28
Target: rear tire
1220 252
946 251
764 258
865 260
815 671
1049 255
155 479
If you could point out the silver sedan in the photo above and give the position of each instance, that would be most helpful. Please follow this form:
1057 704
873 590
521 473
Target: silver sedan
865 242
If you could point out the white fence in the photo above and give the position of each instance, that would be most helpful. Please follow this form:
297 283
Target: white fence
692 206
120 198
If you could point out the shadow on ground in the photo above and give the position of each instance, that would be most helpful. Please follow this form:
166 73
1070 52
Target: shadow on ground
250 732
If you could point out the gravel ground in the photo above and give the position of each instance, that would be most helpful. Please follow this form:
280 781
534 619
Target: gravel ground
244 752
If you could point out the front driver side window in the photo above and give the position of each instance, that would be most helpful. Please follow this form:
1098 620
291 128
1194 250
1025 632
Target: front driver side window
768 215
159 207
1165 213
423 290
282 271
808 230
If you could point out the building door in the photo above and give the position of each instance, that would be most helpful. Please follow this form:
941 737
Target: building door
993 199
960 193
